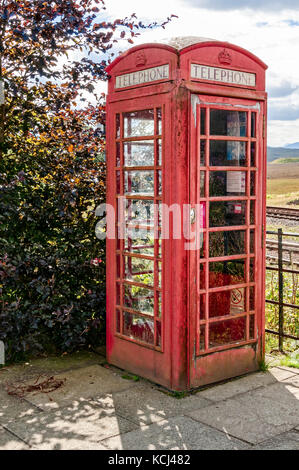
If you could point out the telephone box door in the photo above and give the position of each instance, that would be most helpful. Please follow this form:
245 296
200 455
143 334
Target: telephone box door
227 189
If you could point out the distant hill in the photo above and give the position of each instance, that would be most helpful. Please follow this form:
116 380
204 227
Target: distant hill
273 153
285 160
295 145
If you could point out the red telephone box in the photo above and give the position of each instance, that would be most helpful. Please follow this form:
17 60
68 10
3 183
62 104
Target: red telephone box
186 158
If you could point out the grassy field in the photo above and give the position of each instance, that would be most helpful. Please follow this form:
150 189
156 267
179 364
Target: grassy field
283 184
285 160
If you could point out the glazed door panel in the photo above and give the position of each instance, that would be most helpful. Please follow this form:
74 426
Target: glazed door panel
137 321
227 191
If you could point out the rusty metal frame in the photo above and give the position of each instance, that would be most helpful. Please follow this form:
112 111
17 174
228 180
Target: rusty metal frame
281 304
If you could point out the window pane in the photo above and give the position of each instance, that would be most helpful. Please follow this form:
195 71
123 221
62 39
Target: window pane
202 183
252 212
159 334
203 153
139 123
251 298
159 182
226 332
252 183
139 298
252 241
202 121
159 153
227 243
159 118
117 293
227 183
117 321
227 273
117 161
203 243
139 182
118 266
227 302
139 241
252 270
118 182
139 153
159 243
231 123
139 270
117 126
227 153
202 307
225 213
159 274
139 211
251 327
253 124
202 337
252 154
202 271
137 327
238 301
159 298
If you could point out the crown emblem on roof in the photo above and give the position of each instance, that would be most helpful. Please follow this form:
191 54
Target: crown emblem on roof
140 59
224 57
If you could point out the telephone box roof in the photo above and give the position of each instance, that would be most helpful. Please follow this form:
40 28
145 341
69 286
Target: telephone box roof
182 44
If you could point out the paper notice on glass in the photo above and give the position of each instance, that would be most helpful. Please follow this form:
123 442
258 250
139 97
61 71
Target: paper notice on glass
235 182
237 304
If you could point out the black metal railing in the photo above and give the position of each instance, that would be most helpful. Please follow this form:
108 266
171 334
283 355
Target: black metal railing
280 247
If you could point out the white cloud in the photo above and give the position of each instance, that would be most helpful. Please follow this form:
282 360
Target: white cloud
281 133
273 37
263 5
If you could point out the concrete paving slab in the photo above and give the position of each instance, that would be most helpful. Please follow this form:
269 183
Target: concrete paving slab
287 441
80 384
12 408
290 369
10 442
49 365
145 405
284 394
255 416
80 426
281 374
177 433
293 381
235 387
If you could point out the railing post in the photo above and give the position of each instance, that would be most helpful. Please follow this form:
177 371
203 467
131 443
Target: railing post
280 290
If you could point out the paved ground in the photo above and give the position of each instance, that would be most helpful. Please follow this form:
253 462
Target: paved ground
98 407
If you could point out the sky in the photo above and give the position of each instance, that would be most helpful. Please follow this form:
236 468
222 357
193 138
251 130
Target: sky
268 28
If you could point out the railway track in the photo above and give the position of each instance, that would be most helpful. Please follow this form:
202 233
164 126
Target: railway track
282 213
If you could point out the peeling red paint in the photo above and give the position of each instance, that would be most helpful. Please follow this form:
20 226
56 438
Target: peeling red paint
183 361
